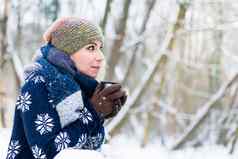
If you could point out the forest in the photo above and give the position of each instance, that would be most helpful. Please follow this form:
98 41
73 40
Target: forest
176 58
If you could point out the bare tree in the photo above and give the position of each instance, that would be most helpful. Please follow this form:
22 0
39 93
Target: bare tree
3 52
51 9
160 61
3 33
16 60
150 5
201 115
56 8
121 33
106 13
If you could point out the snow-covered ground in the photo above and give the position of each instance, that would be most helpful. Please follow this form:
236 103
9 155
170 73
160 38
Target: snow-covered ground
4 139
122 147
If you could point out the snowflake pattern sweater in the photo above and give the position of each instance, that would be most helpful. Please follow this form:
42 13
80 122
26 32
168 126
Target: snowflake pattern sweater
53 112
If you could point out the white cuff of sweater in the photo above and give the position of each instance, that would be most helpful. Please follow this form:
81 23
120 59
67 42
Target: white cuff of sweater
67 108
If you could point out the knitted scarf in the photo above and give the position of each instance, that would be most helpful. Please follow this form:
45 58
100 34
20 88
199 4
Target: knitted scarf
63 61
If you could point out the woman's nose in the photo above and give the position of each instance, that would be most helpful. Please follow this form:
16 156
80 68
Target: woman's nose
99 56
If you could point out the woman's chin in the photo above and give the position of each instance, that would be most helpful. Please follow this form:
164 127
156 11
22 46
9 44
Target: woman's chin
93 75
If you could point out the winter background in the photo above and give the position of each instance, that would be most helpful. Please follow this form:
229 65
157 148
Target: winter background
176 58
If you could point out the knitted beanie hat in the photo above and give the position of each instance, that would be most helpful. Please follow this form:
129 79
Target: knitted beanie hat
71 34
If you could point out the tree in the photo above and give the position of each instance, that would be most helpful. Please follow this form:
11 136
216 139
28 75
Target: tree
3 53
115 53
51 9
106 13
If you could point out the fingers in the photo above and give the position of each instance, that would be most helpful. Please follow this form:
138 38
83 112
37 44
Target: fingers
110 90
123 99
117 95
116 107
113 113
117 102
98 88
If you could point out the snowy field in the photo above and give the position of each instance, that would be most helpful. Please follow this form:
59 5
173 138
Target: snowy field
126 148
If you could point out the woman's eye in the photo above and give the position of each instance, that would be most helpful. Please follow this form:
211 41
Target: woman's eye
91 48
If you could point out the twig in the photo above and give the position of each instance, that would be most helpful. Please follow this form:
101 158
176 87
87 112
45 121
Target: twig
135 96
204 112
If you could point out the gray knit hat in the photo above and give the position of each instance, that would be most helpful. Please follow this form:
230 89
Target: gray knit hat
71 34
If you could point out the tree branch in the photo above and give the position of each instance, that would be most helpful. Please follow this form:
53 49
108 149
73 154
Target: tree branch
150 5
120 31
148 75
200 116
106 13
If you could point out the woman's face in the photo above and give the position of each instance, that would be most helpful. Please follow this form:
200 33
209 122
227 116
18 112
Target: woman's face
88 59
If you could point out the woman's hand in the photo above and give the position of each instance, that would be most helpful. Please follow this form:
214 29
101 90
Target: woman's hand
108 101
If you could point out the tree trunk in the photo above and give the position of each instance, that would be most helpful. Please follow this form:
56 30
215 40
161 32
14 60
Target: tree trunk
120 31
200 116
160 61
3 52
106 13
150 6
55 13
3 33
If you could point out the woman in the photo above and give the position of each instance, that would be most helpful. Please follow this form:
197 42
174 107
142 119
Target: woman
61 104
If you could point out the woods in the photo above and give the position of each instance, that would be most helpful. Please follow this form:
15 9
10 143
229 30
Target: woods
177 59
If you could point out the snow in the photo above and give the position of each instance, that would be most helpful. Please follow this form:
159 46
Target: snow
124 147
79 154
4 140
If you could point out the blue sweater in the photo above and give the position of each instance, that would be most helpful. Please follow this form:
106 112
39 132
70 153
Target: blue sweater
53 112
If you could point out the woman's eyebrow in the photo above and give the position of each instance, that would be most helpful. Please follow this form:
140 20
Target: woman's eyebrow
93 43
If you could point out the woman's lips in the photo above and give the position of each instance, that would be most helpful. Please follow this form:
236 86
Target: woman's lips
95 68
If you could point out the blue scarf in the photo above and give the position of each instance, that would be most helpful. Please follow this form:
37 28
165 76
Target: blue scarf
65 64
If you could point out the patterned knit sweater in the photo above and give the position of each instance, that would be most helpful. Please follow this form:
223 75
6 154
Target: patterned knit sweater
53 112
